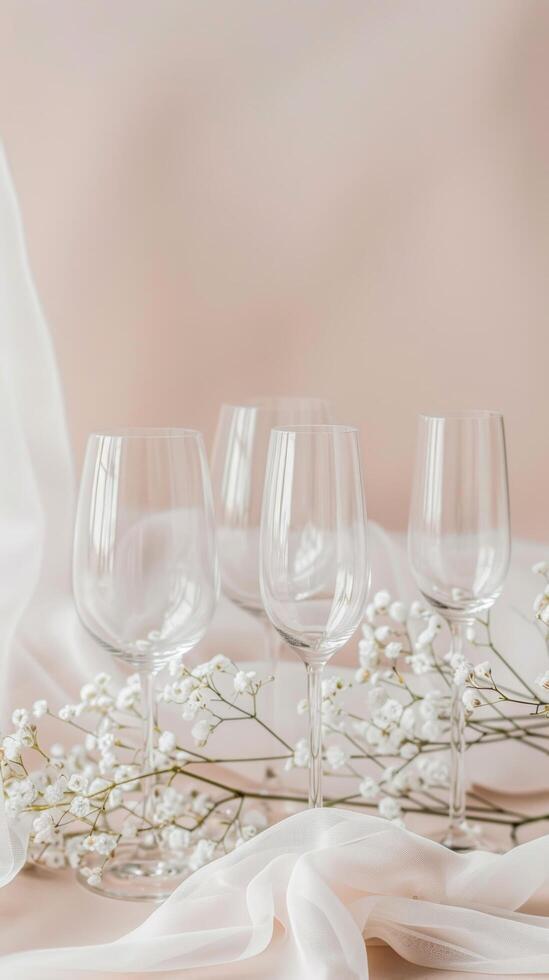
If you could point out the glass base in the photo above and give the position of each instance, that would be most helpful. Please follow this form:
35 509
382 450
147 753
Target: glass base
463 838
137 875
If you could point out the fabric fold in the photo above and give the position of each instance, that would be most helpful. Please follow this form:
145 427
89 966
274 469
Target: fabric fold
312 889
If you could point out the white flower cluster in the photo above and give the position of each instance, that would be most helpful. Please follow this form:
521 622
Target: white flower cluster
385 744
541 602
197 692
87 798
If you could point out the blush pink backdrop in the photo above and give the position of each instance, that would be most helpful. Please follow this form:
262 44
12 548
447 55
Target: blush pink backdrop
347 199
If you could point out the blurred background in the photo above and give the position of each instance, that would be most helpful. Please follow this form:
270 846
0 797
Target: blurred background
347 199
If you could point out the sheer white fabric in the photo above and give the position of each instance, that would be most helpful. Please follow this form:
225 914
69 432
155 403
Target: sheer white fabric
316 885
311 888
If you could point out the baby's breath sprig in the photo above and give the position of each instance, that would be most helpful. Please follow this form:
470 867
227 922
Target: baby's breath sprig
385 736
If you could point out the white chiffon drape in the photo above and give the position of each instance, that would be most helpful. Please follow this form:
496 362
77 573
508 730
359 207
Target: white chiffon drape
300 899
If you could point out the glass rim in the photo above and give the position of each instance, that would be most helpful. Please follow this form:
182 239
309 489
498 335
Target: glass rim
145 432
455 415
268 401
323 427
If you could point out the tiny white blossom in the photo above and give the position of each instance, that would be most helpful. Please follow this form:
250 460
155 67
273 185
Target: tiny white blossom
390 710
302 706
377 697
104 844
167 742
42 822
301 755
201 731
540 568
114 798
54 794
431 730
383 634
80 806
421 662
78 783
126 698
40 708
329 687
130 828
370 612
382 601
368 788
428 709
408 720
126 775
483 671
98 785
368 654
178 838
12 747
88 693
202 854
471 699
20 717
398 612
243 681
54 859
68 712
393 650
389 808
336 756
425 638
93 876
417 610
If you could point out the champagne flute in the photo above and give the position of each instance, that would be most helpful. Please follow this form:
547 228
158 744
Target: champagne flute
239 458
145 583
314 570
459 549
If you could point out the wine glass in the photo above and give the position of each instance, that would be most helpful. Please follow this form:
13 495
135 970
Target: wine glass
238 464
459 549
145 582
313 569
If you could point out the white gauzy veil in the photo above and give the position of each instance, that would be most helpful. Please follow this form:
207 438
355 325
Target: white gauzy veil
36 490
44 652
39 631
37 487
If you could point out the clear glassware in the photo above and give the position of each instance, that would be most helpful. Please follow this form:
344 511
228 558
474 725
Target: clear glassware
459 545
314 573
238 463
145 582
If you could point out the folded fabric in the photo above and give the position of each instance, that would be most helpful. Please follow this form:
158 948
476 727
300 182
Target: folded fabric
312 889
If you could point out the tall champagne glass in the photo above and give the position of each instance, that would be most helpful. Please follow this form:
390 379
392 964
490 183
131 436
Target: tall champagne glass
239 458
459 549
145 582
313 570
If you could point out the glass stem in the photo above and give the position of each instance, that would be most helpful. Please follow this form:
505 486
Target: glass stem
147 678
314 696
272 646
457 800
